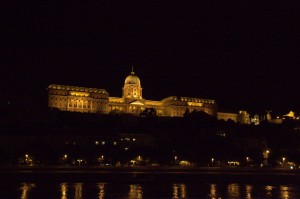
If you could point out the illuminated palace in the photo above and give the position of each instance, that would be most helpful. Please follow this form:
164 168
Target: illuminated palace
94 100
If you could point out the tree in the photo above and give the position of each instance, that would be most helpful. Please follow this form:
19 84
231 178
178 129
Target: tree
149 112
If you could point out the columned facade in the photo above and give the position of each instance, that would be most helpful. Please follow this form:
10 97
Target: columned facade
77 99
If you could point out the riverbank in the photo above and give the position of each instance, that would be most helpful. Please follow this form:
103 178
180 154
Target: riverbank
148 174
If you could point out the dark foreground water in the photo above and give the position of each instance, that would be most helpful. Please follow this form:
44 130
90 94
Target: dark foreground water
82 190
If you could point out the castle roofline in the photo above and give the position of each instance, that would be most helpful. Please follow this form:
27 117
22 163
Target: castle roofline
76 88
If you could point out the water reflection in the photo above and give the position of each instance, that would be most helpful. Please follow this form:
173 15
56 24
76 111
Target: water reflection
78 190
179 190
135 191
249 191
269 190
284 192
213 191
25 189
101 188
63 190
233 190
149 190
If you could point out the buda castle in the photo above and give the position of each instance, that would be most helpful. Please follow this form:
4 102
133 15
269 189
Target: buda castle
94 100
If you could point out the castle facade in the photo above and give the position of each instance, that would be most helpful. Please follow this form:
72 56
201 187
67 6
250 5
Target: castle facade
94 100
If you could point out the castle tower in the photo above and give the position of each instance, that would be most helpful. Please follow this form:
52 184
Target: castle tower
132 87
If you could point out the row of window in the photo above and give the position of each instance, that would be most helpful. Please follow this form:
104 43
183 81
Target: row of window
74 100
75 105
93 96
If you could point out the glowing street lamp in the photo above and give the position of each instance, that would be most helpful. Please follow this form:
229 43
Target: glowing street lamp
266 154
212 162
139 158
26 158
175 160
101 159
283 159
247 159
64 158
79 161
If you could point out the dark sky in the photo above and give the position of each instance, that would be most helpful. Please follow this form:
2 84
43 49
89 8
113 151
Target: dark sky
245 56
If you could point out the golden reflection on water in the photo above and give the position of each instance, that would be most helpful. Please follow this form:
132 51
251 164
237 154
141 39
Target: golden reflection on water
213 191
233 190
284 192
179 190
63 190
135 191
269 190
249 191
101 188
25 188
78 190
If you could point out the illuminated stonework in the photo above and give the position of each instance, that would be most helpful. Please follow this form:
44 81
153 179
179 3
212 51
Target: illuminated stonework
221 115
77 99
242 116
81 99
132 87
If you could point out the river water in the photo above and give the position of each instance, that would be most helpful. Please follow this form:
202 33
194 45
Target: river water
88 190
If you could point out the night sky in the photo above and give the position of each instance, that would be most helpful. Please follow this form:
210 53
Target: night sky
245 56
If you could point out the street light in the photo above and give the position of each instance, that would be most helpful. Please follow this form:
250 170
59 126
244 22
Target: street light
79 161
266 154
101 159
64 159
139 158
212 162
283 159
247 159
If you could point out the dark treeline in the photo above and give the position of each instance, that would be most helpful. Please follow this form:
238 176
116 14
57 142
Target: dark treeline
49 134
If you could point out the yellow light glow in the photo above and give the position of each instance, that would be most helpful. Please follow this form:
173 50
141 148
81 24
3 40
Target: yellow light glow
63 190
79 94
78 190
101 187
135 191
195 104
26 188
233 191
184 163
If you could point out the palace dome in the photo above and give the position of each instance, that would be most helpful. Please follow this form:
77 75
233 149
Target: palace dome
132 79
